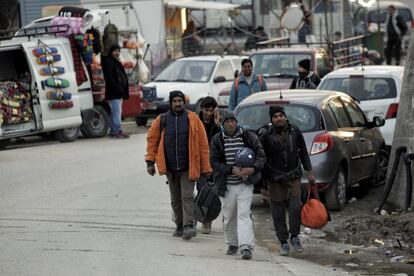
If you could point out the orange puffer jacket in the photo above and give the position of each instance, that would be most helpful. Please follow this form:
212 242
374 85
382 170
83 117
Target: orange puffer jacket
199 162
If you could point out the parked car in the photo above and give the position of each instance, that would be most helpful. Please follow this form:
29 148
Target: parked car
370 17
345 148
197 77
279 66
377 88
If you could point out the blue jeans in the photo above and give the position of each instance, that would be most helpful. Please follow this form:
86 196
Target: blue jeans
116 112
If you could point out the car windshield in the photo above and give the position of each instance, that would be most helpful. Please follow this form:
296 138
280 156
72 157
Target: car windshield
373 15
362 89
306 118
187 71
278 64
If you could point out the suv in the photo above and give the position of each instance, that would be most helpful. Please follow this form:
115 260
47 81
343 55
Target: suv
377 88
197 77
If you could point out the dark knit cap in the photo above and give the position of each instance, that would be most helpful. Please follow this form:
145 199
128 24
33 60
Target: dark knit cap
228 115
114 47
305 64
176 93
276 109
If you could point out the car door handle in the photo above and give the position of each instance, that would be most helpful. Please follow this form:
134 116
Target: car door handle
346 140
362 139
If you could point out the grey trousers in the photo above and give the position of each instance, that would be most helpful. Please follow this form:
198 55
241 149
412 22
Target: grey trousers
278 208
182 197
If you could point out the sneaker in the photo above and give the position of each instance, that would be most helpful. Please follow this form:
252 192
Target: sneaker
189 232
122 135
232 250
207 228
284 249
178 232
246 254
295 242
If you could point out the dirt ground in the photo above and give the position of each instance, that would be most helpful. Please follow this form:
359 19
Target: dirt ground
357 239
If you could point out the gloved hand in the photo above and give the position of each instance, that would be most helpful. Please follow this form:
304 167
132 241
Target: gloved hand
150 168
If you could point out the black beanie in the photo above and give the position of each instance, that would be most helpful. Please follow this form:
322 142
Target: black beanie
176 93
275 109
113 48
305 64
227 115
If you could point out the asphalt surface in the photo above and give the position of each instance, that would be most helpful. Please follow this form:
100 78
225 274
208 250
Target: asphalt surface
90 208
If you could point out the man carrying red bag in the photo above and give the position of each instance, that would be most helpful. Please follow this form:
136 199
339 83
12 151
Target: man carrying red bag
285 150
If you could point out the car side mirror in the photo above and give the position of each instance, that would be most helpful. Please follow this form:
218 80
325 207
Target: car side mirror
377 121
219 79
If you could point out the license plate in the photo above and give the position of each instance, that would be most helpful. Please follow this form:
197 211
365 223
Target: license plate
149 93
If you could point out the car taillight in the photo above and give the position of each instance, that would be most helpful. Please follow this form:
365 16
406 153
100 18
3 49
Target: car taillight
392 111
321 143
412 24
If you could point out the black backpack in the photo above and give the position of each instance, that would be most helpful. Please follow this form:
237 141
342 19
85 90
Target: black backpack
207 205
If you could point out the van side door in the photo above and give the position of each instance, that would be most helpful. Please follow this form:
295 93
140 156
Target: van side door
54 119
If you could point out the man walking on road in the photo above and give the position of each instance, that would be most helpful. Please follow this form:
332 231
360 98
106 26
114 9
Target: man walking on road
396 29
235 184
212 127
177 143
116 89
306 78
285 149
246 84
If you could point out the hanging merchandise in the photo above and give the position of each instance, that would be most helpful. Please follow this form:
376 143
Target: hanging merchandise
85 42
46 59
40 51
96 40
143 71
110 37
69 11
55 83
58 95
77 62
75 25
61 104
51 70
15 103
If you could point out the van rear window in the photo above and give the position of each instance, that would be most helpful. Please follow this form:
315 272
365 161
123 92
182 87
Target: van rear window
362 89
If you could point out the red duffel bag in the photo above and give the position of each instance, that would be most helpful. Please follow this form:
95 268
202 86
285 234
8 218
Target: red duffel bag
314 214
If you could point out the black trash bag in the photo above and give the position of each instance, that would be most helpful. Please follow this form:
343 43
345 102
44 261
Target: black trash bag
207 205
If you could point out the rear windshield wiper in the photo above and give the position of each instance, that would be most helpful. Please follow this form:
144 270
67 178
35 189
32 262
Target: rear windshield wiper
160 80
182 80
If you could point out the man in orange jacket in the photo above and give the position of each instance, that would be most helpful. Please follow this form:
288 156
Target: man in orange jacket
177 143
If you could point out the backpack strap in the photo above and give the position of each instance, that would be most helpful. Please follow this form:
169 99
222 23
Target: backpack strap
236 88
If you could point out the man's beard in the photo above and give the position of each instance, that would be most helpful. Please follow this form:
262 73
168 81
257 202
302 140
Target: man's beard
280 127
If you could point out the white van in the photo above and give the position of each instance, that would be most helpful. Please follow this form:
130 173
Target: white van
28 111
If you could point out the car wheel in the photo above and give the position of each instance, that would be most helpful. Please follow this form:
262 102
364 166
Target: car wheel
335 195
67 134
141 121
98 125
382 167
4 143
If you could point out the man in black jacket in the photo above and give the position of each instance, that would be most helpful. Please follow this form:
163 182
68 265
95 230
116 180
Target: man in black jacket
116 89
208 117
285 149
307 79
235 184
396 29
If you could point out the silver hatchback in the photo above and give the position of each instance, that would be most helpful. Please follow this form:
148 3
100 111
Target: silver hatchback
344 147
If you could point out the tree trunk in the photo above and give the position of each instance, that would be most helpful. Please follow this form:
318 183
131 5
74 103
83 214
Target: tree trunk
404 131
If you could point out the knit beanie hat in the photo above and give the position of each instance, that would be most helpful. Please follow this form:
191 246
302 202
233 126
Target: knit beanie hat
227 116
305 64
275 109
176 93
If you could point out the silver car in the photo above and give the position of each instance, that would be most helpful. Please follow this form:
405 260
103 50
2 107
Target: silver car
344 147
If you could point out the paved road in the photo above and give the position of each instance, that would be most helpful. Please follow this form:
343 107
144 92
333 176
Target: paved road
89 208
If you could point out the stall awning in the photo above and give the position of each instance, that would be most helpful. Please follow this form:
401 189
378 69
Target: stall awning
201 5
